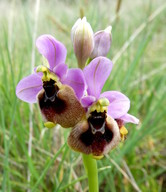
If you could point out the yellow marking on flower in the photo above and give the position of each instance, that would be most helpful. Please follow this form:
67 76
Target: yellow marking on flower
93 108
103 102
97 157
123 132
42 68
47 75
100 106
49 124
104 109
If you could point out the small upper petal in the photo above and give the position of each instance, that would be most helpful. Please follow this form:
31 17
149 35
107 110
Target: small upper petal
75 79
96 74
87 101
119 103
127 118
54 51
28 88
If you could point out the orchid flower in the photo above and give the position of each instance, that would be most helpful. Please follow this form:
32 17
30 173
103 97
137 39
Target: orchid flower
56 88
73 98
100 132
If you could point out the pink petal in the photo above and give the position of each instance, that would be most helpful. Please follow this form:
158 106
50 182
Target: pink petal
119 103
75 79
87 101
28 88
54 51
96 74
60 70
127 118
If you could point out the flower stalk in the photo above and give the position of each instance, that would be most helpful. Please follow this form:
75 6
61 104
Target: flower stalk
90 165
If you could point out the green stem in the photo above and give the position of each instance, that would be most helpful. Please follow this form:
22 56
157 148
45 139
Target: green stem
90 165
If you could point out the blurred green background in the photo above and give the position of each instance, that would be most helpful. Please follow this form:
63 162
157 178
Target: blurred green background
32 157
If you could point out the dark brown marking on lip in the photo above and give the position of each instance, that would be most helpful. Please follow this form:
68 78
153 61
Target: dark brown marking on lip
50 90
49 102
97 122
60 104
98 140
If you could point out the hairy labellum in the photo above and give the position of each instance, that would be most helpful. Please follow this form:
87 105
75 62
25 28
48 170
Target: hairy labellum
60 105
97 135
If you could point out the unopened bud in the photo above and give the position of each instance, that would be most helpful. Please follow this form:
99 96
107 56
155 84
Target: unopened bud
102 42
83 42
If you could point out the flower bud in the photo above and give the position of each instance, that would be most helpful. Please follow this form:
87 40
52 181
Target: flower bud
102 42
83 42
